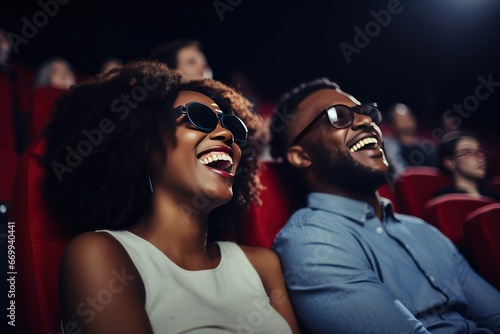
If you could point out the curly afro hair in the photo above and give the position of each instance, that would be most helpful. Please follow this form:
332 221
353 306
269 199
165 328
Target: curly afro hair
103 133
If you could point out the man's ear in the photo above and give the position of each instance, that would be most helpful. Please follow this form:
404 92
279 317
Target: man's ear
298 157
449 164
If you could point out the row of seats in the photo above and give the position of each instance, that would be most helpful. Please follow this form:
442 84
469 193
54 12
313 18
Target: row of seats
40 241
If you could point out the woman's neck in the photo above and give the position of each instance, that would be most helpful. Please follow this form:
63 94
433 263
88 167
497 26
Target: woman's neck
175 227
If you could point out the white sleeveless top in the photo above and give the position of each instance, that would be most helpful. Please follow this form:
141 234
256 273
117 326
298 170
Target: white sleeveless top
227 299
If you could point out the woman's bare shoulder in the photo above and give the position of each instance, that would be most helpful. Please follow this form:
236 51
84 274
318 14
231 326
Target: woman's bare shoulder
264 260
94 246
94 257
94 265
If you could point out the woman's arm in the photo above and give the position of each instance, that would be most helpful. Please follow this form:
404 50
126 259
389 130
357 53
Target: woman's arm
268 266
100 290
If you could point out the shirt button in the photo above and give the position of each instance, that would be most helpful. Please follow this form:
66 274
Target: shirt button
432 278
380 230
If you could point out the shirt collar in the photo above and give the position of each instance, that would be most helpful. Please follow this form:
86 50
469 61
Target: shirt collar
355 210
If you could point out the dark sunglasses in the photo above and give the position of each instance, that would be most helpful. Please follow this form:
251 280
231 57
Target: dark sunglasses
342 116
205 119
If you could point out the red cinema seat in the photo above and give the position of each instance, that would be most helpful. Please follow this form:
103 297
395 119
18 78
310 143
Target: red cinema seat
448 212
24 82
8 154
482 234
415 187
6 123
8 161
494 183
39 246
281 198
43 104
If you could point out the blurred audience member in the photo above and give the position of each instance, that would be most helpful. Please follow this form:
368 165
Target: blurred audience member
264 138
110 63
184 55
53 78
404 148
57 73
5 50
464 160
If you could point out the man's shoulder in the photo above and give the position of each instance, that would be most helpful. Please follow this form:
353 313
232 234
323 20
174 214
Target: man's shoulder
309 218
309 224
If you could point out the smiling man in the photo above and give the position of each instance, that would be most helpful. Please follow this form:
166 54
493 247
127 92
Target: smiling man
351 264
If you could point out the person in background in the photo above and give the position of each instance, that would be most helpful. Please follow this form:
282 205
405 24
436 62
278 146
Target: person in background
463 159
405 148
110 63
5 50
184 55
55 72
351 264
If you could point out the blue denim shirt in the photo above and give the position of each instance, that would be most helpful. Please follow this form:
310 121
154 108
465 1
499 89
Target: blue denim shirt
349 272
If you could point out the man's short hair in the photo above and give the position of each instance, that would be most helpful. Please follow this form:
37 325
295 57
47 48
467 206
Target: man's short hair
287 106
167 52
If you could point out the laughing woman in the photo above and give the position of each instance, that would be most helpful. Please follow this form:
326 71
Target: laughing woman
156 166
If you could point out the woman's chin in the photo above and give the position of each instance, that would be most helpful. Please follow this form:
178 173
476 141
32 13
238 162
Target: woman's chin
216 197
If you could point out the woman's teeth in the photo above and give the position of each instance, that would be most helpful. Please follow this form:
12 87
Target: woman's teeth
215 156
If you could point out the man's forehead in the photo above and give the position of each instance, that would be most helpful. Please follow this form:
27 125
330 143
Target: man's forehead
468 142
326 97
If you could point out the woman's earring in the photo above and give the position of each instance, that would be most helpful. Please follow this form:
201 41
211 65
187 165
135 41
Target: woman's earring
150 184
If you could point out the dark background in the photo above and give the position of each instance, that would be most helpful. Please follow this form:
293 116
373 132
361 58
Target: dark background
429 56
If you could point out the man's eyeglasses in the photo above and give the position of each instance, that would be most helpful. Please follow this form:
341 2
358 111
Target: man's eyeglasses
470 153
342 116
204 119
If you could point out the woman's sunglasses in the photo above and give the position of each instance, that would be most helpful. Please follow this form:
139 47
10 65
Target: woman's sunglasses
342 116
205 119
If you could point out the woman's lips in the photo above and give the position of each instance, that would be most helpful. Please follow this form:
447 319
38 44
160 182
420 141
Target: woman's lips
220 172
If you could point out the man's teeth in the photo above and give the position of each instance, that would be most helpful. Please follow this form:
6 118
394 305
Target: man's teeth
215 156
363 142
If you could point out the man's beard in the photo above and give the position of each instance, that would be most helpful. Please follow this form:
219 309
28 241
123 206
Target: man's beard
342 170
